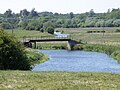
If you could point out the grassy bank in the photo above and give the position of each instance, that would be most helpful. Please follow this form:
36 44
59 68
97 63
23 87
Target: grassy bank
35 56
52 45
112 51
26 80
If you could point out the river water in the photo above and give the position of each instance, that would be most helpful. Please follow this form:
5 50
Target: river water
78 61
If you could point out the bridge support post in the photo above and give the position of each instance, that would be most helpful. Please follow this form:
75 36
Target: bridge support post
69 46
35 45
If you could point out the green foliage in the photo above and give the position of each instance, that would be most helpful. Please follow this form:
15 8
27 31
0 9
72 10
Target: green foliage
34 25
117 30
36 56
23 24
78 47
53 46
6 25
95 31
71 15
12 54
110 50
50 30
32 20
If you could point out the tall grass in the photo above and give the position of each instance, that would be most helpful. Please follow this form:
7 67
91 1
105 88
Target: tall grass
53 45
36 56
112 51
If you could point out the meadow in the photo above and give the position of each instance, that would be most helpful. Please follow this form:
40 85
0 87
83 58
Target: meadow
109 37
26 80
25 33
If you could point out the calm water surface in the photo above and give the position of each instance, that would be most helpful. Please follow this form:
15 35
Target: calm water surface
78 61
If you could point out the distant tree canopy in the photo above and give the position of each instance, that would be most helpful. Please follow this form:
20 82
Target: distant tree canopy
12 54
32 20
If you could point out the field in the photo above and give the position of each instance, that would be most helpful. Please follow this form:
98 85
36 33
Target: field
26 80
52 45
24 33
110 37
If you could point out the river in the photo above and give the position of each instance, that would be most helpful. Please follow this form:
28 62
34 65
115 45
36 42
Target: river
78 61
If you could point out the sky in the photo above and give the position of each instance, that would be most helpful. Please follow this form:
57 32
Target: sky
59 6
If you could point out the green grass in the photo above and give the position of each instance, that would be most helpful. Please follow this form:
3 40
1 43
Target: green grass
26 80
25 33
52 45
110 37
36 56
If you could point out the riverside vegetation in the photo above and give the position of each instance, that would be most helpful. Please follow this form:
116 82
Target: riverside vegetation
17 80
104 38
13 56
112 51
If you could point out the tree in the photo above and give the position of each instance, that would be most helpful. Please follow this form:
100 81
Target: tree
8 13
71 15
116 23
91 13
22 24
115 14
24 13
34 25
47 24
12 54
6 25
50 29
33 13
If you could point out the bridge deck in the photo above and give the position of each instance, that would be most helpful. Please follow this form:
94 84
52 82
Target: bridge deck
46 39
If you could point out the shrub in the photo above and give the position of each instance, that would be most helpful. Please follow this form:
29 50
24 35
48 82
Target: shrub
50 29
89 31
12 54
117 30
78 47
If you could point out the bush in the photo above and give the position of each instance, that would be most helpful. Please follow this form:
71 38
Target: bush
109 50
35 56
12 54
78 47
95 31
89 31
117 30
50 29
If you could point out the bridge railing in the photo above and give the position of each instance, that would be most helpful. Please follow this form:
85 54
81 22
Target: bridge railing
25 39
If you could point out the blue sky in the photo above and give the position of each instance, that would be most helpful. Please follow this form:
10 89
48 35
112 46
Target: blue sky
60 6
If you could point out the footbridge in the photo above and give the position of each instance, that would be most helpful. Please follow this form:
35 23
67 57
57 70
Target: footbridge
30 41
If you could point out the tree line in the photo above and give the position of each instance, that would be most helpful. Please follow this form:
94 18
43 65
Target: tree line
47 21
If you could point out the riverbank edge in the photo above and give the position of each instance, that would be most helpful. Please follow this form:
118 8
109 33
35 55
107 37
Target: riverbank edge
112 51
35 56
